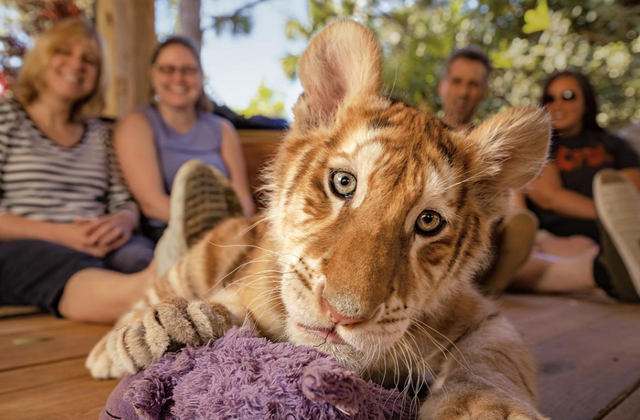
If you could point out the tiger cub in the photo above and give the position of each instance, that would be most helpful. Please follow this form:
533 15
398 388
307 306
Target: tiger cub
378 217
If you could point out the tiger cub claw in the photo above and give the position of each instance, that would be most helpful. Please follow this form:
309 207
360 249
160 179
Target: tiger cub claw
477 406
164 327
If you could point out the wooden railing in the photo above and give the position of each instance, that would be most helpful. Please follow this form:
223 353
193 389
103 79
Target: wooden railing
258 147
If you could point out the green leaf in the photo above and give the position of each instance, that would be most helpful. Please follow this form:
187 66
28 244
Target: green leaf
500 60
264 102
293 29
456 5
537 20
289 65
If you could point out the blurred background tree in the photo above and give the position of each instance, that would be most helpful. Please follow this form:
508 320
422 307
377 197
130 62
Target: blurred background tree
265 102
526 39
188 17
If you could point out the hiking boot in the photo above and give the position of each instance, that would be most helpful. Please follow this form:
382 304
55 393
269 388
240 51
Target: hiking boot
515 239
617 204
201 197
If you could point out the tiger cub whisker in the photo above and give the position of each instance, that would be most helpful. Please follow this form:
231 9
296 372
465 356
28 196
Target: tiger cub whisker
377 217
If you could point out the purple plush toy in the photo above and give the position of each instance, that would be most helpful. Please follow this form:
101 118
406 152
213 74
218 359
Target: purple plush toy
243 377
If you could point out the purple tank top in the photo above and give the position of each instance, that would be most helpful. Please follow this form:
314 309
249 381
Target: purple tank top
201 142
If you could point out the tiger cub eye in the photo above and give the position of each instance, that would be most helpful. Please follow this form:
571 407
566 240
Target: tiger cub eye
343 184
429 223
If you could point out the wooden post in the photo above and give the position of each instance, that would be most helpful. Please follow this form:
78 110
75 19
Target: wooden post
128 28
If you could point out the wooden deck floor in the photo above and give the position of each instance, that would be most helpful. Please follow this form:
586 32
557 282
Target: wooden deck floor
587 348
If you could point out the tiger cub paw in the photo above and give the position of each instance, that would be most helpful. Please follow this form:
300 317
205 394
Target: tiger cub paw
477 406
164 327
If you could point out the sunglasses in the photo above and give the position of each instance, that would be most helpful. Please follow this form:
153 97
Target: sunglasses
169 70
567 95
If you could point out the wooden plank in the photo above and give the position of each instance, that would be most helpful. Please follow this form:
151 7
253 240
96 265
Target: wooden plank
256 156
582 374
629 408
77 398
47 379
261 136
258 148
588 351
29 324
547 317
45 375
75 340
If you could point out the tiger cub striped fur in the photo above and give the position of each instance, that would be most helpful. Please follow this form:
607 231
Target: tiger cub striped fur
378 217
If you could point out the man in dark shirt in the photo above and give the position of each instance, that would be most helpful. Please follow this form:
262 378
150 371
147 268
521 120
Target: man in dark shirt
462 88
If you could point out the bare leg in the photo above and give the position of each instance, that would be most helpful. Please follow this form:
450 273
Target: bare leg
559 265
97 295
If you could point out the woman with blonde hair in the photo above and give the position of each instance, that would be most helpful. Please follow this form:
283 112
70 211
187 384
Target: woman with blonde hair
66 218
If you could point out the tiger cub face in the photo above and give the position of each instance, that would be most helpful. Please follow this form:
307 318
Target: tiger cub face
378 210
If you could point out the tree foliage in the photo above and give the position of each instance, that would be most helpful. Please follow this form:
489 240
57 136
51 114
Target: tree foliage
239 21
526 39
265 102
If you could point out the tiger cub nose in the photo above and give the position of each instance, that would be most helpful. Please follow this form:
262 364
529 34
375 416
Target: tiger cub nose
336 317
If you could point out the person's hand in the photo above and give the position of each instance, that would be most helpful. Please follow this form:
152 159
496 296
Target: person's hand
111 231
74 236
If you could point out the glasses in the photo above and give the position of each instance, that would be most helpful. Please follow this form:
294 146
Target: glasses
567 95
169 70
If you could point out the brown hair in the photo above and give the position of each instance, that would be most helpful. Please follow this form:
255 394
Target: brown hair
31 77
589 121
472 53
203 103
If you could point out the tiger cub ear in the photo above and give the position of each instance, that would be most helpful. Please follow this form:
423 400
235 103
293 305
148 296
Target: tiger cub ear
511 147
341 65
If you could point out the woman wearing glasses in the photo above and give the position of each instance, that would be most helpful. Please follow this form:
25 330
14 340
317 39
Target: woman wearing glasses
153 142
593 178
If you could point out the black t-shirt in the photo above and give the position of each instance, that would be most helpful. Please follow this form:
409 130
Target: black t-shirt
578 159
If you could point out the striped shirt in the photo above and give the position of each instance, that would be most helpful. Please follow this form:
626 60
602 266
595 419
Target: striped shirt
41 180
